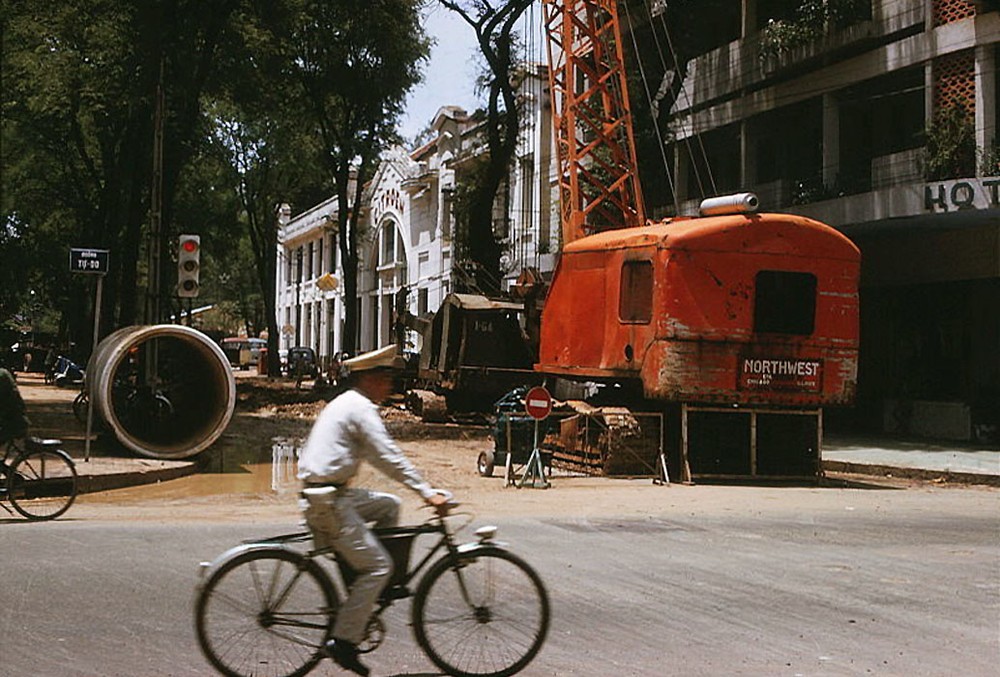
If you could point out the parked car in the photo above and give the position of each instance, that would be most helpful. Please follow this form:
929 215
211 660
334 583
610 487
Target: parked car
302 361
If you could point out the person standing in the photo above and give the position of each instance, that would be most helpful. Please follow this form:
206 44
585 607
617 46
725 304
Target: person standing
347 432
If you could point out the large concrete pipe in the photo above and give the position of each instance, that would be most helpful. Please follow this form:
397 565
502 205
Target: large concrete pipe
165 390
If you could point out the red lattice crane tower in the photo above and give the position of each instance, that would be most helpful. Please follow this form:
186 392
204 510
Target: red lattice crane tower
599 184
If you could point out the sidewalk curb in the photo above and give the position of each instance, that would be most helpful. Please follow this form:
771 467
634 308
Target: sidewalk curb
946 476
93 483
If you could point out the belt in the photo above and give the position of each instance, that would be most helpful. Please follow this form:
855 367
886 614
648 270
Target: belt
306 486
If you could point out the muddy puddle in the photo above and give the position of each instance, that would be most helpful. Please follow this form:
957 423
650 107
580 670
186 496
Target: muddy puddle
267 471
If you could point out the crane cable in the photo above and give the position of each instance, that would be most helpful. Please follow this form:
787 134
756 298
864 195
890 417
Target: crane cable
649 99
527 178
687 140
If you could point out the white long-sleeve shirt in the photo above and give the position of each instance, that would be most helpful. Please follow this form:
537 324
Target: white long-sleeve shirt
349 430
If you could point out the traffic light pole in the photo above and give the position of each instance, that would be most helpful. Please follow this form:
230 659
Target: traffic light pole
153 288
156 210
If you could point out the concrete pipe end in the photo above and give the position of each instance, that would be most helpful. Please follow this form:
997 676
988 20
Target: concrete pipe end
167 391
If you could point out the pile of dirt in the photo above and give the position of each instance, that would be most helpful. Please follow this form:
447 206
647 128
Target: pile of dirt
277 399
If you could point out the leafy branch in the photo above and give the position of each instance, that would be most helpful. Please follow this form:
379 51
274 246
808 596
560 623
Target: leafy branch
813 19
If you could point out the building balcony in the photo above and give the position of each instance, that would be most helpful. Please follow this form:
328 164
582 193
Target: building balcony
903 167
740 65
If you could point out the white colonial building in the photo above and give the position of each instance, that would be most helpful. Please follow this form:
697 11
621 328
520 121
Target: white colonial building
408 253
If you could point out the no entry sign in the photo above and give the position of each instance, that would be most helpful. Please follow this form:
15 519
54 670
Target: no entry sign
538 403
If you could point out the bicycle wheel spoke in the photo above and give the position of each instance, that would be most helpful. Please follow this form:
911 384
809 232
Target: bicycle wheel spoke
235 604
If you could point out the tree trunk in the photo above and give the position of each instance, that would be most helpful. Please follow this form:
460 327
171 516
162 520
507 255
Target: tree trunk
347 242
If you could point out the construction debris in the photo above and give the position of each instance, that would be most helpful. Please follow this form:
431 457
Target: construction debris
610 441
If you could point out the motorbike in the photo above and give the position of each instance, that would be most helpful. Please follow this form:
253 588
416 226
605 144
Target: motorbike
65 372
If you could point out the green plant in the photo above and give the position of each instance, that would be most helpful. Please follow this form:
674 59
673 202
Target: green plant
989 159
950 151
813 18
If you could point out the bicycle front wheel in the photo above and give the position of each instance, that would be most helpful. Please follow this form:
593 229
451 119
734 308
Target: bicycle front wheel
484 613
42 484
266 612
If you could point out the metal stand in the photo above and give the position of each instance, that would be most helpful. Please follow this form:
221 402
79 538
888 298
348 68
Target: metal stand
90 400
534 470
662 476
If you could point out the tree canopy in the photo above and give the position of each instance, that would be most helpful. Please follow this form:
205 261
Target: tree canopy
263 103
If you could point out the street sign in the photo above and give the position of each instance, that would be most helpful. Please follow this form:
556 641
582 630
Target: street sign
538 403
92 262
89 261
327 282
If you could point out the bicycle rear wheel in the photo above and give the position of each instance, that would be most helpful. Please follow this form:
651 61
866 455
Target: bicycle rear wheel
80 403
485 613
42 483
266 612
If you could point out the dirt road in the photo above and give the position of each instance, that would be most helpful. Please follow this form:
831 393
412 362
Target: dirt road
242 477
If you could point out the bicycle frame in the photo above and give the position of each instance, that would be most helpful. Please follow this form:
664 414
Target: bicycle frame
435 526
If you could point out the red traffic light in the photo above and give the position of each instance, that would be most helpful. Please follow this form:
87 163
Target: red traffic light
189 245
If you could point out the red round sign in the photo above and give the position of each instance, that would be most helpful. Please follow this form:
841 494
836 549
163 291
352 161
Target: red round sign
538 403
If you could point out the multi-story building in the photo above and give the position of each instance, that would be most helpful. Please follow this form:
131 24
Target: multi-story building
410 254
882 124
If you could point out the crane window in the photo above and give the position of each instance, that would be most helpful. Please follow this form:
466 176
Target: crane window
784 303
636 301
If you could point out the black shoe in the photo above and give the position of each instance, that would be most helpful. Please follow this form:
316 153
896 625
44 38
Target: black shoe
395 592
345 655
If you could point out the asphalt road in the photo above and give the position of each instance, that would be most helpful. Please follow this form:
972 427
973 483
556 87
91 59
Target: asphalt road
717 581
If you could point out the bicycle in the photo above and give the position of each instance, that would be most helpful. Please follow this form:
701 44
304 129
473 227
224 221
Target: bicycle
267 608
40 482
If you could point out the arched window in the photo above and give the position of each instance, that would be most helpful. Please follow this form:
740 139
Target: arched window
388 275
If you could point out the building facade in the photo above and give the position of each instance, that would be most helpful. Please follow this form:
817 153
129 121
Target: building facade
882 124
410 256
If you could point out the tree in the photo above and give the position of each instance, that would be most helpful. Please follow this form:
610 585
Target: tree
79 83
348 66
494 25
269 155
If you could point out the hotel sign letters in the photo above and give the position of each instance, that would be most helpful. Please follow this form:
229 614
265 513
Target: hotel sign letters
946 196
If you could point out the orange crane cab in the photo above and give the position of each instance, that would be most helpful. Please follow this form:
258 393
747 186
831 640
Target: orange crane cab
734 309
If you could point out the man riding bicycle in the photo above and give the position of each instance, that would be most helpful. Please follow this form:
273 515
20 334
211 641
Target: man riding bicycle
348 431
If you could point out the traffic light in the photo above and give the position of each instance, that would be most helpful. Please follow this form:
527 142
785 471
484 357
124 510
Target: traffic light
188 265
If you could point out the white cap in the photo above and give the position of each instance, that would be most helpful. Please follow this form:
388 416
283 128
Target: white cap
383 358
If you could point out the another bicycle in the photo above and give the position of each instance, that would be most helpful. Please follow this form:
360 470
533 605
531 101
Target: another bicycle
267 607
40 482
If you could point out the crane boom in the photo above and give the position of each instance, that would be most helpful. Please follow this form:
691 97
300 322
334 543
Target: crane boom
599 184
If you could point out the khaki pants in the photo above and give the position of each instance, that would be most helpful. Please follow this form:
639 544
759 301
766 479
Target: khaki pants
339 518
